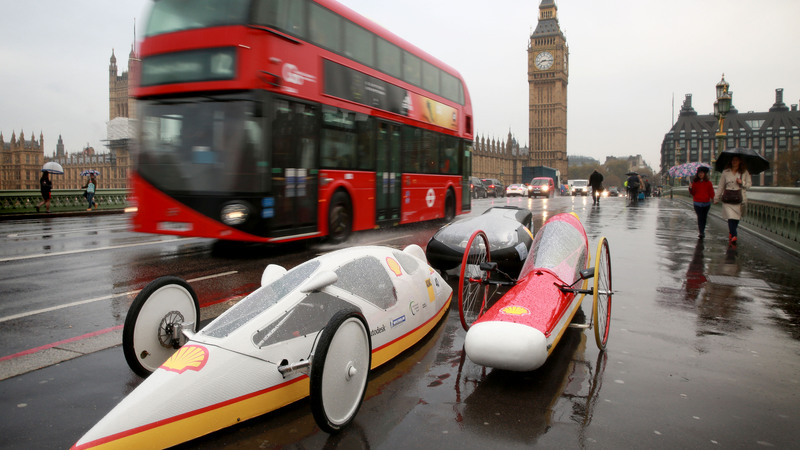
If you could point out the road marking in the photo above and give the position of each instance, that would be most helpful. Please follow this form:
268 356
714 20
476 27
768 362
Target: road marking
62 231
113 247
98 299
65 341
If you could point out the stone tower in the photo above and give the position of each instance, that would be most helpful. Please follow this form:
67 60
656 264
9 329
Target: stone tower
548 73
120 87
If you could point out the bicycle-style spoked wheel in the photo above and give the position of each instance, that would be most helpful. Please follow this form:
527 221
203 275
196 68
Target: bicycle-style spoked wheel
601 310
472 286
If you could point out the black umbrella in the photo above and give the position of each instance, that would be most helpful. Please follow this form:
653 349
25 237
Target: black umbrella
632 173
754 162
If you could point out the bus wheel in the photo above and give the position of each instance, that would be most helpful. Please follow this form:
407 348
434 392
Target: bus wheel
340 218
449 206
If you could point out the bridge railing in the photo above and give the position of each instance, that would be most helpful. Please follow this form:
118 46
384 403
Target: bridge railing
63 200
773 212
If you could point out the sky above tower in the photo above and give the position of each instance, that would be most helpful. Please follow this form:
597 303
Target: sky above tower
628 60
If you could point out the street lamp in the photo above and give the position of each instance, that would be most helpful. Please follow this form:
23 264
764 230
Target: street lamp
722 106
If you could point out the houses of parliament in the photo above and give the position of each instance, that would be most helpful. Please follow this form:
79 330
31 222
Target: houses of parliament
22 157
548 70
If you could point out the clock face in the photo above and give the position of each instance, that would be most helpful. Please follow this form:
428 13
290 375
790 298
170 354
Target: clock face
543 61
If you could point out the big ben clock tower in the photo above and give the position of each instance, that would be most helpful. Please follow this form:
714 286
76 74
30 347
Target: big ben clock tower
548 71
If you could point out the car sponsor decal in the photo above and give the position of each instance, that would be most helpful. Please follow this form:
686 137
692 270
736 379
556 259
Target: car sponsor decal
431 294
515 310
398 321
378 330
413 307
188 357
394 266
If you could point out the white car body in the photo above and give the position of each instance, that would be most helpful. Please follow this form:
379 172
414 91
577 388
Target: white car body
228 371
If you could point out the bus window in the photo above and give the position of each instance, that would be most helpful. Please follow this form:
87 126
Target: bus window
285 15
325 28
412 69
429 154
365 146
338 146
389 57
412 142
359 44
430 77
449 158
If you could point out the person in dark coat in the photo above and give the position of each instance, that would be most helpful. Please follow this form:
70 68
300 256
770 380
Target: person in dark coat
596 182
46 186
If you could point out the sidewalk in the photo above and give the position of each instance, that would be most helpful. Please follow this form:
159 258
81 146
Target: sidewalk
44 215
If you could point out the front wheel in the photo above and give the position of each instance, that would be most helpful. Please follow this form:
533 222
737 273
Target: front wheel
340 218
153 327
339 369
472 282
601 308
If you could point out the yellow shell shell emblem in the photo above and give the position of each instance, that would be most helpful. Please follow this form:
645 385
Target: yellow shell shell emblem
515 311
188 357
394 266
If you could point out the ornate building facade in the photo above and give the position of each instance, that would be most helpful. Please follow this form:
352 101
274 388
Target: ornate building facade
22 159
548 74
493 158
772 132
21 162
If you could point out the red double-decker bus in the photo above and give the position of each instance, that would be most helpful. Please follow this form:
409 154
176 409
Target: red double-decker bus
279 120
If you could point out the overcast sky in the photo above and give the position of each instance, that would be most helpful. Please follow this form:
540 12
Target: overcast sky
628 58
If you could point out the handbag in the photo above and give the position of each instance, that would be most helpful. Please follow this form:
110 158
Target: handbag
732 196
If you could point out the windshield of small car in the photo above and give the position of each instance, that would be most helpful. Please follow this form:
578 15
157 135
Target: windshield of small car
540 182
580 183
257 302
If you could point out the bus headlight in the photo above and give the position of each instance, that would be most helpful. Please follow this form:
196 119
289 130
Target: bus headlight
234 213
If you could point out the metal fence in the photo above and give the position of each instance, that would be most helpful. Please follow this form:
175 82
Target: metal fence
22 201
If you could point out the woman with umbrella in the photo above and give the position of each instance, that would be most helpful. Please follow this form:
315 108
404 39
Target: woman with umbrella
91 187
734 181
46 186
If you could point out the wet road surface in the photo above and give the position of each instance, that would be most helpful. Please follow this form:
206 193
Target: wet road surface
704 348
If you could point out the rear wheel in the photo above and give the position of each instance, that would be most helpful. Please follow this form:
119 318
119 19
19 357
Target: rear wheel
472 286
339 369
449 206
601 309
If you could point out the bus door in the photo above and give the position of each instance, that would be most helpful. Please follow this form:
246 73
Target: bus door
292 207
387 177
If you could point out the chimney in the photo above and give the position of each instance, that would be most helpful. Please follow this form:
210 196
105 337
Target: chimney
779 105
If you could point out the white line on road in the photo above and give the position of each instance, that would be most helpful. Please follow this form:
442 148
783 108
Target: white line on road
87 250
98 299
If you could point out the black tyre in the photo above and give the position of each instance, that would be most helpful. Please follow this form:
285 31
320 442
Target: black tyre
449 206
339 369
340 218
152 329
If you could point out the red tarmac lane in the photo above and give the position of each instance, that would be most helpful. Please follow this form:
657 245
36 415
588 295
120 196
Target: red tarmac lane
704 352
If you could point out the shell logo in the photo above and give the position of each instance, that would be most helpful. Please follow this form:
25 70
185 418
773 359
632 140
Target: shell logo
188 357
515 311
394 266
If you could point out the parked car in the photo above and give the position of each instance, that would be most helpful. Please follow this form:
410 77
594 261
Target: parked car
542 186
613 191
476 188
494 187
516 189
580 187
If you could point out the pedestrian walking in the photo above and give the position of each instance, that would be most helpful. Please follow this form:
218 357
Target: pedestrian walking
596 182
633 183
733 183
91 187
702 191
46 187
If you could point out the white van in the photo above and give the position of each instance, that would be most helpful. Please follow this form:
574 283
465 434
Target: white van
580 187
